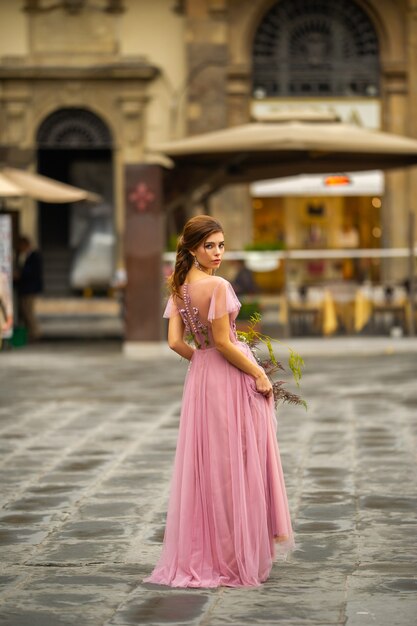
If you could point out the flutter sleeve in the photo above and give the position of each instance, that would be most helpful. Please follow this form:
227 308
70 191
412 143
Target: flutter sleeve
171 309
223 300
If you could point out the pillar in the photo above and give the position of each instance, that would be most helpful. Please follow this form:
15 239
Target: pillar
143 244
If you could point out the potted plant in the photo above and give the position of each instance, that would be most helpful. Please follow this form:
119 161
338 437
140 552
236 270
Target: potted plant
261 255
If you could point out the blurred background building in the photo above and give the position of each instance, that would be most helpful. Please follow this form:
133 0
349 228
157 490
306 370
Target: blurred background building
88 86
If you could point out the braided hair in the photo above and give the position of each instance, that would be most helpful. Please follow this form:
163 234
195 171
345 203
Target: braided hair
196 230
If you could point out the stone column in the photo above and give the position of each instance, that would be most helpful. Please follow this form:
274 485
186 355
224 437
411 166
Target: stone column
412 99
139 222
238 94
396 201
208 109
143 244
207 54
238 206
130 150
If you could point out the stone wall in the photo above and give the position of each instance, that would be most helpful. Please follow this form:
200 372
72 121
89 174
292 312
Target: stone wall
217 97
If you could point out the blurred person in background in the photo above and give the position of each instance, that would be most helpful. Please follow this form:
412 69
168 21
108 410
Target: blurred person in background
29 284
244 282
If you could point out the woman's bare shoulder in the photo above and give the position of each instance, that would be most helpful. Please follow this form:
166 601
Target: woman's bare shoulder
219 280
212 281
216 282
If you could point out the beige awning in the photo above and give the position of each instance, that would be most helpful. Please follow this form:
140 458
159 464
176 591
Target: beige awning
266 150
8 189
258 151
370 183
15 182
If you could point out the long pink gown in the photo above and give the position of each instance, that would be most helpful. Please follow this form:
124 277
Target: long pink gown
228 509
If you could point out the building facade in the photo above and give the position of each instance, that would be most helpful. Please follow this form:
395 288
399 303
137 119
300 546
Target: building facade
353 57
84 88
87 87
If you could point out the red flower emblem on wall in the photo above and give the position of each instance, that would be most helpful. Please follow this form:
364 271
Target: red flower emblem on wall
141 197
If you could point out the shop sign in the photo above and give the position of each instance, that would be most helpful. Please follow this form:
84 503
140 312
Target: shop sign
364 112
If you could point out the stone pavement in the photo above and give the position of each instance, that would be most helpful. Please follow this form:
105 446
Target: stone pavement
87 443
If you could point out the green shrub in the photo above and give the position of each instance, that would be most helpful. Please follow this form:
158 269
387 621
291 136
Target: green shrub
264 246
248 309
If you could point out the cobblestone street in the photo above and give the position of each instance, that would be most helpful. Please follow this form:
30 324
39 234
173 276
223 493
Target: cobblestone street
87 445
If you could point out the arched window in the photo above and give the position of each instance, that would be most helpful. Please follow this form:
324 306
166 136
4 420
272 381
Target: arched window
73 128
315 48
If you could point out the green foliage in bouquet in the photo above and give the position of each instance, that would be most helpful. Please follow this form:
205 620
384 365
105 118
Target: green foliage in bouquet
271 365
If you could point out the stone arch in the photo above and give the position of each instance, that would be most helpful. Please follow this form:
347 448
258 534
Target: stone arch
73 127
386 18
316 48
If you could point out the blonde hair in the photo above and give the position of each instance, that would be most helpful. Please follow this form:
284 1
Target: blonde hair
196 230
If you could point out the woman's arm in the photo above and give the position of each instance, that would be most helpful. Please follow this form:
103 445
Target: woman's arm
176 337
221 329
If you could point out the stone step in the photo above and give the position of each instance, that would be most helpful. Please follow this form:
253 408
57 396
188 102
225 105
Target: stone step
56 271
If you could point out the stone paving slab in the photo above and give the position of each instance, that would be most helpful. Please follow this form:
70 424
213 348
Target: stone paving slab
87 439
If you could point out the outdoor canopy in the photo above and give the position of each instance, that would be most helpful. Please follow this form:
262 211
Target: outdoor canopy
8 189
17 183
265 150
294 143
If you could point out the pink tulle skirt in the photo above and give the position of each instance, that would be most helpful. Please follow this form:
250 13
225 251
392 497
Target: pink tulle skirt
228 512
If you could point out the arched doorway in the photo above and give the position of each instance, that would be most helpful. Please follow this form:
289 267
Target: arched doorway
77 241
316 48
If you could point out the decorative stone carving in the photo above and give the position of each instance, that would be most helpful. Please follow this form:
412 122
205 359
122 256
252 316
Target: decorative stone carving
72 127
239 79
16 122
85 33
131 109
316 49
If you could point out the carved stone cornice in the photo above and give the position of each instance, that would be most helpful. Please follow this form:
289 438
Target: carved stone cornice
239 80
111 71
394 70
395 78
241 71
217 8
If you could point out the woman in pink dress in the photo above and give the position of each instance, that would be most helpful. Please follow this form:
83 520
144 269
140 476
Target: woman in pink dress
228 510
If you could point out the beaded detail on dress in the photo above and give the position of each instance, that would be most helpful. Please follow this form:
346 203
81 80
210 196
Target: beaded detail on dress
195 330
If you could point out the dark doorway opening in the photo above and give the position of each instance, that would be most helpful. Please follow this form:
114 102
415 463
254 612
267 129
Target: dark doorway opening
77 240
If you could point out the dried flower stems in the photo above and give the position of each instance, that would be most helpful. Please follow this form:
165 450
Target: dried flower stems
271 365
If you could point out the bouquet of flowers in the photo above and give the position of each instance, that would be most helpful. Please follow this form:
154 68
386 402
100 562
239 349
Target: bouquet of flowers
271 365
